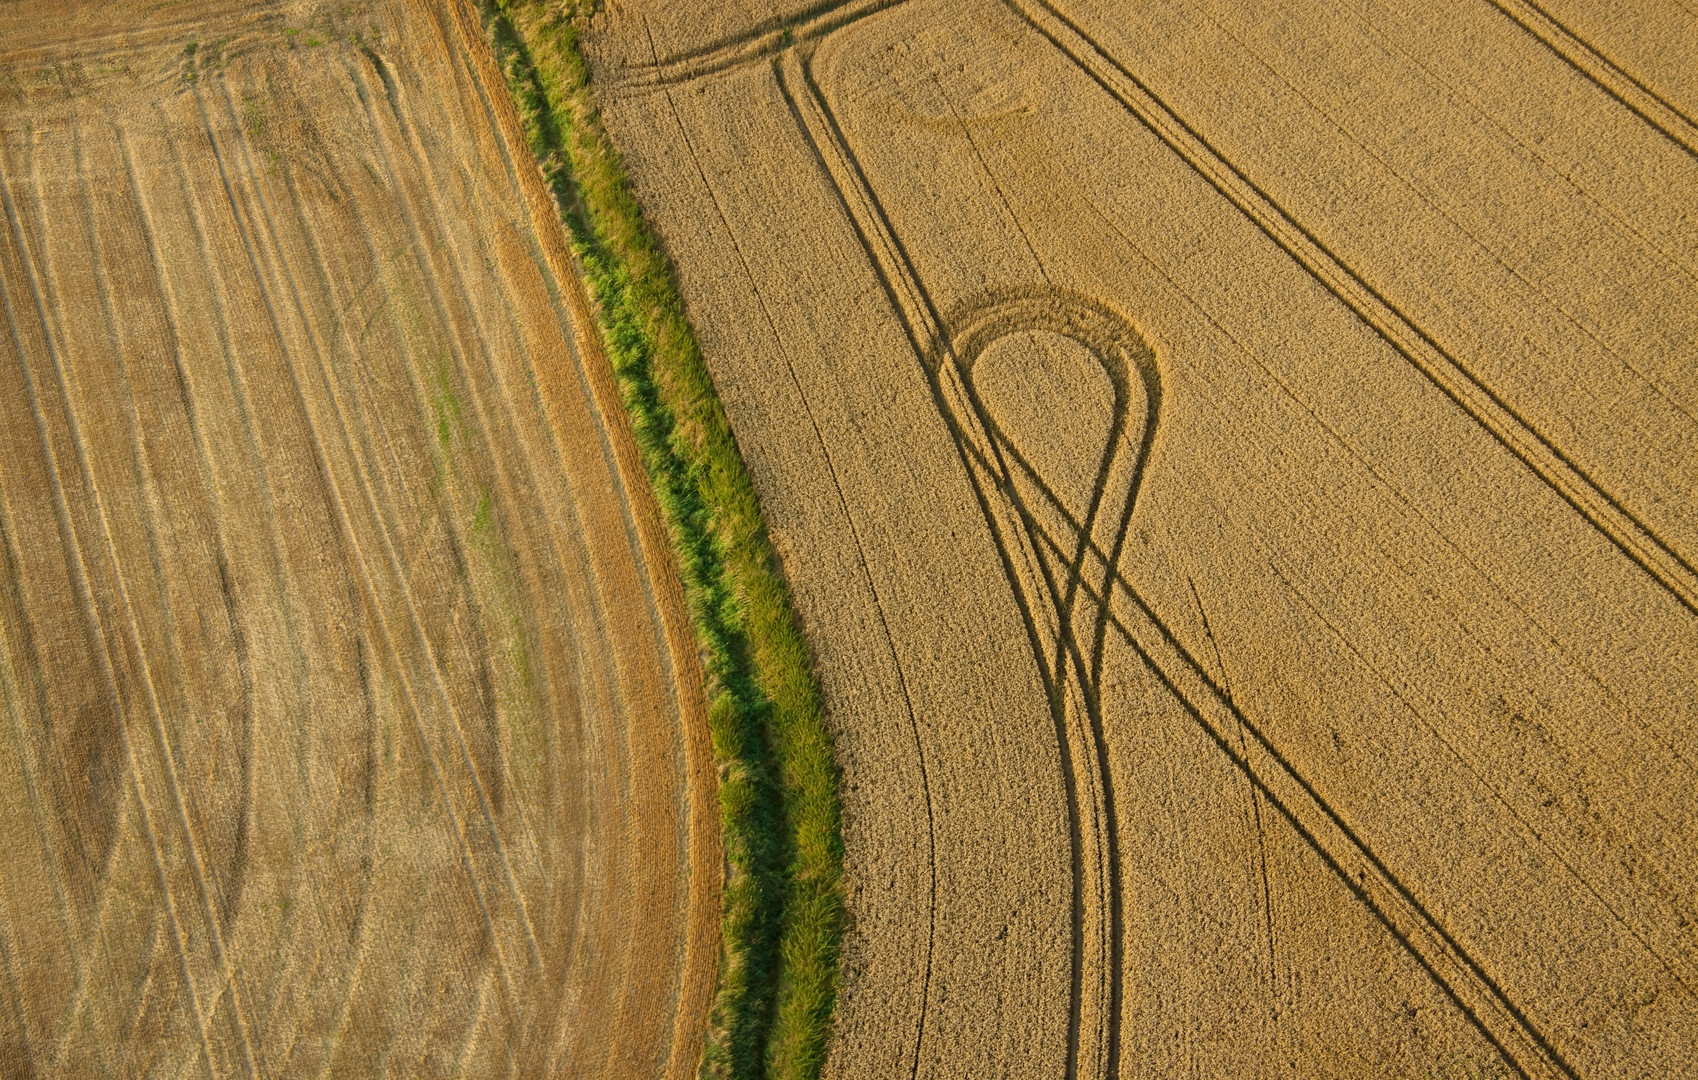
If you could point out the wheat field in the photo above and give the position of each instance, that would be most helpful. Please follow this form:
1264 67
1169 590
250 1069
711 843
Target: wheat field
1236 464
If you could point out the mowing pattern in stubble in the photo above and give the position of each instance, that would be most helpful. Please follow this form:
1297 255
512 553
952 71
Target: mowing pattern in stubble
352 723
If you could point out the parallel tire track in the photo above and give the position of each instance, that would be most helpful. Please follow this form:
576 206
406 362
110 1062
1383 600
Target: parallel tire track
135 651
764 42
1615 81
1542 456
923 325
1392 903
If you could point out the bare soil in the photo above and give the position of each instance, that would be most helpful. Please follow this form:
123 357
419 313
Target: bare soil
1235 462
352 724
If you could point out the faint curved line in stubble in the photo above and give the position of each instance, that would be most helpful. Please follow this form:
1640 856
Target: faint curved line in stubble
355 968
1536 451
334 495
1610 77
220 317
766 41
100 880
220 915
211 910
77 563
416 222
239 646
268 216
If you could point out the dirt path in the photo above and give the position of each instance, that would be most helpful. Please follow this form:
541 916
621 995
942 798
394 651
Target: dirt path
352 720
1234 461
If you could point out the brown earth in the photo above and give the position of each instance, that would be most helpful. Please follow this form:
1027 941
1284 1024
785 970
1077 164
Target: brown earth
352 726
1236 463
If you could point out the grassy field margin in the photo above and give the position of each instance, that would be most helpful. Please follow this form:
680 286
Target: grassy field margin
783 908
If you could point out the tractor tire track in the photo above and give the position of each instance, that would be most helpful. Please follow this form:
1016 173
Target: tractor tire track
923 324
1615 81
1602 510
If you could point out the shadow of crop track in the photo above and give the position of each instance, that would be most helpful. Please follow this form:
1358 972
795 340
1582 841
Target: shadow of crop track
1060 588
1062 559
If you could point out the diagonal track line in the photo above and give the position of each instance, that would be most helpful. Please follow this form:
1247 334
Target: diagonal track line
1600 509
1331 836
1633 94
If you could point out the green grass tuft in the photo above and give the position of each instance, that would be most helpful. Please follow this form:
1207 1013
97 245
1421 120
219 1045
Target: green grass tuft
783 905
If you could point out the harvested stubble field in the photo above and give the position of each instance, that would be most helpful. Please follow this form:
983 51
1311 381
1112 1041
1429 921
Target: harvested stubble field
1236 462
352 722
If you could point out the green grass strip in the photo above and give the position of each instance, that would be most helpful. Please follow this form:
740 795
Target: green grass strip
783 906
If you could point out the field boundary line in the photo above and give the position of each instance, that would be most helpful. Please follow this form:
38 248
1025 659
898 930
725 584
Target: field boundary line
854 532
680 656
1598 507
782 907
499 92
1613 79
